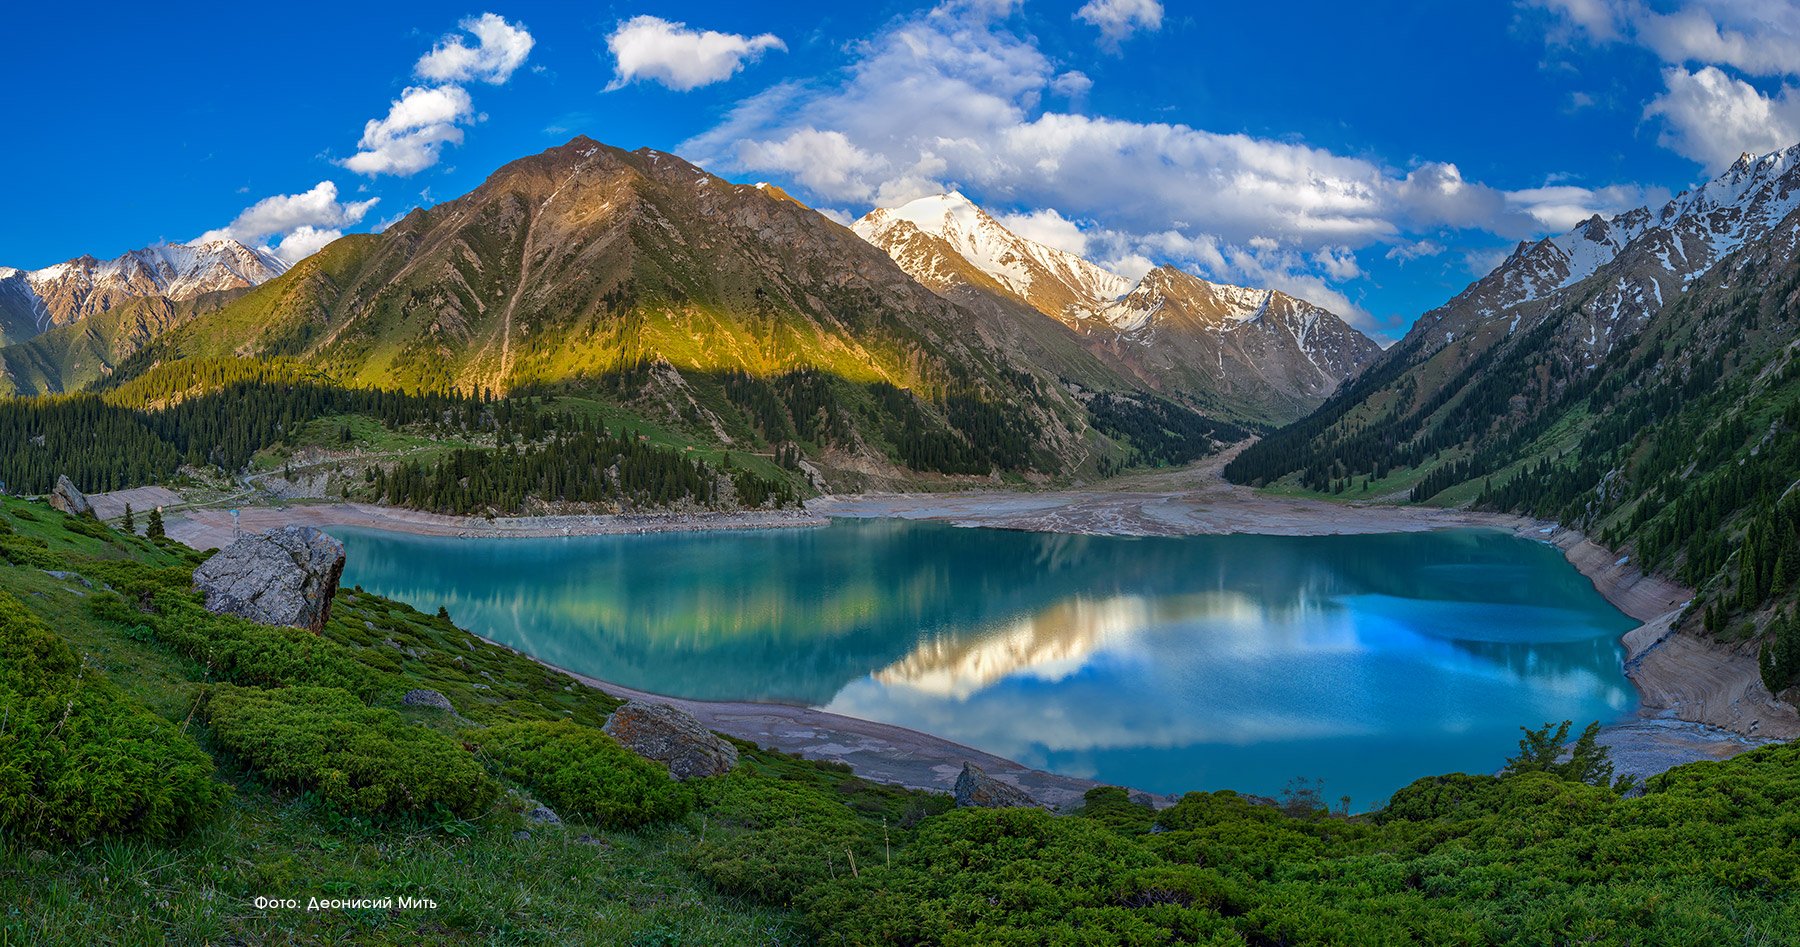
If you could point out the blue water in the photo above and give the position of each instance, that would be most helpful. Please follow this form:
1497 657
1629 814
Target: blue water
1169 664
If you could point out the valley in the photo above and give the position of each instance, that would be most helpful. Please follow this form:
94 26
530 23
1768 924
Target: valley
934 558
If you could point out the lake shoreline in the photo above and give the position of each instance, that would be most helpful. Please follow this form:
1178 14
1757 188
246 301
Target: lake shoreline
1697 700
208 528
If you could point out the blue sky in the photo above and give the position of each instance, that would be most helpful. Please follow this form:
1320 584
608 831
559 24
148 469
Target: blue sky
1371 156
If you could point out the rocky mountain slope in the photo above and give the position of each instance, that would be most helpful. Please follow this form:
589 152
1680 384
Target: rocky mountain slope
37 301
1252 355
1635 377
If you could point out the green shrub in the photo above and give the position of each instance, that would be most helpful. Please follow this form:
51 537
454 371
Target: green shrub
771 840
585 774
364 760
78 758
1112 807
1021 876
233 649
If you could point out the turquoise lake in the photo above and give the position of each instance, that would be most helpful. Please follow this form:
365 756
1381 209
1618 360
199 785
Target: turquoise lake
1168 664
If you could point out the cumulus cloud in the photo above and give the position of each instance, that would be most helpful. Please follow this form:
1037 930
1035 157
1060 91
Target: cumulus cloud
1706 113
1048 228
826 163
317 207
1758 37
304 222
425 118
302 243
1073 84
417 126
1712 117
1117 20
658 50
500 48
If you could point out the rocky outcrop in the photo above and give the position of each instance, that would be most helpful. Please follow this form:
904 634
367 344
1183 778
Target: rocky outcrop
283 577
673 737
68 499
976 789
426 697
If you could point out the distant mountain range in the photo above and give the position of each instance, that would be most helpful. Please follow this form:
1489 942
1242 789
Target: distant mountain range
1248 354
733 311
36 301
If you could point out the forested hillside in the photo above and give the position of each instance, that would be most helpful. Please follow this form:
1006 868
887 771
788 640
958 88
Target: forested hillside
1676 441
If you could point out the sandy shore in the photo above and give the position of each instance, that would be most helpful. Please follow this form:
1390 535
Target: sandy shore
1699 701
209 528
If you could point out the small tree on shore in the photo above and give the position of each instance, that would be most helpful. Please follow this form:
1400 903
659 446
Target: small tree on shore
1541 751
128 522
153 527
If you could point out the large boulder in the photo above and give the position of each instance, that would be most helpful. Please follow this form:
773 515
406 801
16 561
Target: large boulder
662 733
975 788
68 499
283 577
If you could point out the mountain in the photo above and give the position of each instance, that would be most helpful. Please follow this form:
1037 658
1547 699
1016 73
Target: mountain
37 301
1635 378
729 310
946 240
1649 258
1250 355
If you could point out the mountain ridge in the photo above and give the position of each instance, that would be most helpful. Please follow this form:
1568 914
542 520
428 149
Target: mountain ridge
1204 343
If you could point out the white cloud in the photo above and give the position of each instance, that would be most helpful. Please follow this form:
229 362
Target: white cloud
1404 253
305 221
658 50
1759 37
1117 20
1073 84
500 47
1559 207
1048 228
1711 117
1707 114
302 243
417 126
825 162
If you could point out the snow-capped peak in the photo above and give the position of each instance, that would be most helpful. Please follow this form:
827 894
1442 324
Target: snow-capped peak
1051 280
71 290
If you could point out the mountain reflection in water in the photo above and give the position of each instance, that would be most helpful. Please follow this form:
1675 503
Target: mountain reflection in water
1164 663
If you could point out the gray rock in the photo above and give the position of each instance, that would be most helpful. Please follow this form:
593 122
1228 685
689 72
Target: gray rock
542 815
283 577
68 499
425 697
662 733
68 576
977 789
521 836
